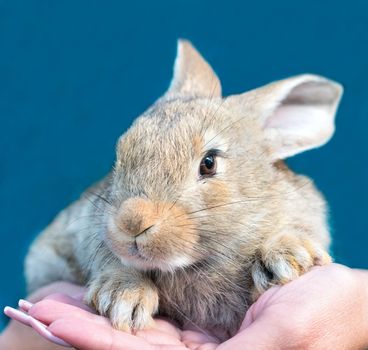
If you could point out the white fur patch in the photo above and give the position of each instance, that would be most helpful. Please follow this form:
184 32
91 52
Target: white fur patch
104 301
282 269
180 261
121 312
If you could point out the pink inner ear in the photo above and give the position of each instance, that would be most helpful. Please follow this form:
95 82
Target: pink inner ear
306 110
301 120
297 114
301 127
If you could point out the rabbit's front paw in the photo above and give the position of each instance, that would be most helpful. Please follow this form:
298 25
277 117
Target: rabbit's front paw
284 258
129 307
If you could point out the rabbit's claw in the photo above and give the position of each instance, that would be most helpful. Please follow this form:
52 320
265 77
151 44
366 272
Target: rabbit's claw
128 308
283 259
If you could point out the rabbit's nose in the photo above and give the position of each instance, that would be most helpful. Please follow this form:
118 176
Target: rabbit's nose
137 216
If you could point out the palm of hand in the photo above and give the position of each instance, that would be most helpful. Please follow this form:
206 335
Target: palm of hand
72 321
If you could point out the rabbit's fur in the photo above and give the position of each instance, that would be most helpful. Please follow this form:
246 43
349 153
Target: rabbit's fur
156 237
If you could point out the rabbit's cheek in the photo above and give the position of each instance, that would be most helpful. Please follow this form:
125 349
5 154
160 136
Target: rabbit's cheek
217 193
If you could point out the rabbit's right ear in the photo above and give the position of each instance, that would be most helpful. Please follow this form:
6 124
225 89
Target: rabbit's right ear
296 114
193 76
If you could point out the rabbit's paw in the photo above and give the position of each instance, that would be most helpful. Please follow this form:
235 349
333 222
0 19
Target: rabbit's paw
284 258
129 307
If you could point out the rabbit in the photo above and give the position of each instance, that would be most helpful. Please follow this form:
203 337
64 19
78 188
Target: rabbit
200 214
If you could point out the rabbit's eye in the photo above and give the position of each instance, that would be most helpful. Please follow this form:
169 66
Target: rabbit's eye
208 165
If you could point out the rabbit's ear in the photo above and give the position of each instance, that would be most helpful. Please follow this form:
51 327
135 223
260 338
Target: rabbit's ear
193 76
297 114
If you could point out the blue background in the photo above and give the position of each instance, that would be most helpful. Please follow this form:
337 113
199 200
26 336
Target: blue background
74 74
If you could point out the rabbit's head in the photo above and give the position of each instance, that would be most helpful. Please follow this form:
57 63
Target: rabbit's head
199 178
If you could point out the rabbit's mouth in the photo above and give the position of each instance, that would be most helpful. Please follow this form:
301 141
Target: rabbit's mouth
136 252
139 260
144 254
153 235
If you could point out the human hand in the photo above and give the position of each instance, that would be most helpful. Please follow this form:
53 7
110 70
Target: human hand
323 309
326 308
69 320
17 337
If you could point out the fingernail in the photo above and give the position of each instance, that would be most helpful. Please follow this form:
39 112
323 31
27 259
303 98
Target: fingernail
25 305
17 315
42 330
38 326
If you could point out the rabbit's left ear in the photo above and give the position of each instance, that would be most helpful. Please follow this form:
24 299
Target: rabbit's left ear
193 76
297 114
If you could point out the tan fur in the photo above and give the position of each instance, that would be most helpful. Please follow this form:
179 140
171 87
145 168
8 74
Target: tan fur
156 237
197 142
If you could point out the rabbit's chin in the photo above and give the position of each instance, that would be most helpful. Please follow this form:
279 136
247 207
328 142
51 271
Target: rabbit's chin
141 262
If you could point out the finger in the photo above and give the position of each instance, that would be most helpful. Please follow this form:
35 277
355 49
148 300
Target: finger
258 307
79 296
249 318
36 325
67 299
48 311
87 335
17 315
24 305
42 330
65 287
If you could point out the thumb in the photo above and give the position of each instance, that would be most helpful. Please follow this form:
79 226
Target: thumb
260 328
264 333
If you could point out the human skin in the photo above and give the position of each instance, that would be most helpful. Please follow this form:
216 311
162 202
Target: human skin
327 308
18 337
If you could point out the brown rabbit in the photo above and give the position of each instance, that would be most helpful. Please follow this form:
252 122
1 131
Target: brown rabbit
200 214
